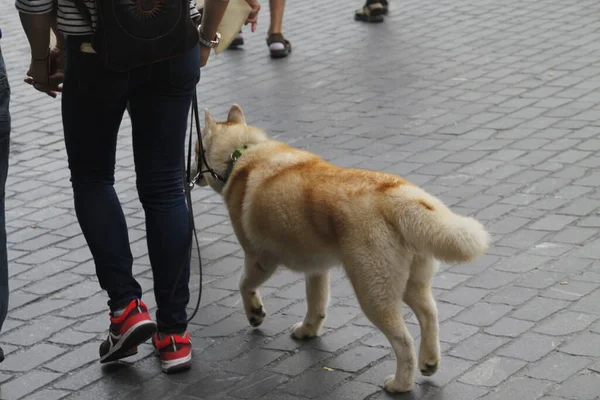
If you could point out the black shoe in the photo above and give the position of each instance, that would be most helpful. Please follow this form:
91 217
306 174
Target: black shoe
1 355
372 11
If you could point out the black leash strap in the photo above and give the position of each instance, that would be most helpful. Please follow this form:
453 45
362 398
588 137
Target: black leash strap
188 183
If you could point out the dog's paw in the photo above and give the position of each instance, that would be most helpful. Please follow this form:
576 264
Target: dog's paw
393 386
257 316
428 368
300 331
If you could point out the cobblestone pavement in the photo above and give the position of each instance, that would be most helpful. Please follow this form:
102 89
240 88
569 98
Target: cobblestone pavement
492 105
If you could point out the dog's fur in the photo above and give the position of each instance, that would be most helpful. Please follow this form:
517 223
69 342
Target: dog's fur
289 207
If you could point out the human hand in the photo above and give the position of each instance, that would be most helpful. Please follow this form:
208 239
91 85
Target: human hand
204 54
46 75
253 17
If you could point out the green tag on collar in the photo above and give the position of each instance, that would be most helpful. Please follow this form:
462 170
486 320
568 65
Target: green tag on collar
233 158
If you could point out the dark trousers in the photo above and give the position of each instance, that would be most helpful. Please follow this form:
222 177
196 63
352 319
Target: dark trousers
94 100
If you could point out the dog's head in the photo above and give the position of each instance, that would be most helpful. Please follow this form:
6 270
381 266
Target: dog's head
220 140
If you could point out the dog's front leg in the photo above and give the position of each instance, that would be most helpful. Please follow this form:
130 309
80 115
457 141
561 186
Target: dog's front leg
255 274
317 299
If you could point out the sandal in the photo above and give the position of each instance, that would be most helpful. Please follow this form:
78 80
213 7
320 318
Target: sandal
372 11
279 47
237 41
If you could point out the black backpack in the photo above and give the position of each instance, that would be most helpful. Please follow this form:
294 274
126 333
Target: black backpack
132 33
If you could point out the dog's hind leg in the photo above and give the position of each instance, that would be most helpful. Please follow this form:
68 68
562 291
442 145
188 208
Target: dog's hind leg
419 297
255 274
317 299
379 287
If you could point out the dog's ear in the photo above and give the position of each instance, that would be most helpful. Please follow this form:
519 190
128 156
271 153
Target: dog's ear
209 121
236 115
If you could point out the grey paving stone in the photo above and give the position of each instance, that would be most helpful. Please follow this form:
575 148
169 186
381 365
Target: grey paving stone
249 362
36 331
584 387
336 340
585 344
355 359
299 362
530 347
25 384
313 383
477 346
464 296
257 385
48 394
558 367
520 388
492 372
483 314
539 308
31 358
565 323
73 360
588 304
509 327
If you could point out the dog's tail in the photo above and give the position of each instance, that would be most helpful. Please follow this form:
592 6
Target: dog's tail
428 226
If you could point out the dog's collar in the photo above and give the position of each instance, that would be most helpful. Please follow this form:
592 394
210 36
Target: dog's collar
233 157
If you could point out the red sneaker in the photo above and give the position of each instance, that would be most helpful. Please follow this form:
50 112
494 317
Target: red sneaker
175 352
126 332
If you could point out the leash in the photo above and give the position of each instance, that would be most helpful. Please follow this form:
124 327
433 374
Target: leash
189 182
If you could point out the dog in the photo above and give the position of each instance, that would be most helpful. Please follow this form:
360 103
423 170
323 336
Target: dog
289 207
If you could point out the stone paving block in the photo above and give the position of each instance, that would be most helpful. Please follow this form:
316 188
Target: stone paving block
585 344
299 362
483 314
353 390
255 359
355 359
492 372
73 360
48 394
36 331
583 387
539 308
558 367
565 323
257 385
520 388
313 383
477 346
31 358
530 347
25 384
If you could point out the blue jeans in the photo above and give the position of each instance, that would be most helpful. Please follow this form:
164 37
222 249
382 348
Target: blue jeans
159 96
4 151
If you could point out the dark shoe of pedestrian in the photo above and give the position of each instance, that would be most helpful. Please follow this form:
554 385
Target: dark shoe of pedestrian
127 330
372 11
279 46
237 41
1 355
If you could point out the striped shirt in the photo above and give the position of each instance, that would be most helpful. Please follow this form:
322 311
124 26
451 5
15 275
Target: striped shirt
70 22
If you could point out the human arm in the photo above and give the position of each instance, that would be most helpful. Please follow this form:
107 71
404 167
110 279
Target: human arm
38 18
212 14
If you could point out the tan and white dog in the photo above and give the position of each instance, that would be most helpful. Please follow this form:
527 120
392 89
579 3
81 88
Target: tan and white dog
291 208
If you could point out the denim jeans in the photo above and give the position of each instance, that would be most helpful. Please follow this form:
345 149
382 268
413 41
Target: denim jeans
94 100
4 151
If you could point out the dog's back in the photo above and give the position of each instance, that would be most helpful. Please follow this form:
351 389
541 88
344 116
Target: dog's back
307 210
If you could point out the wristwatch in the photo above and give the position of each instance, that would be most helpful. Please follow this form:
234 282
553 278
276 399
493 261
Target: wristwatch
208 43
